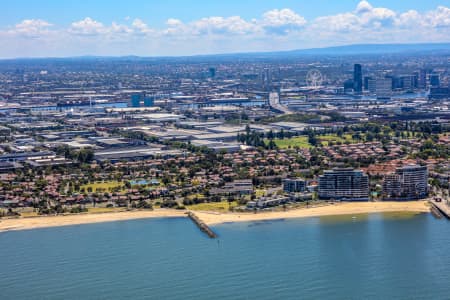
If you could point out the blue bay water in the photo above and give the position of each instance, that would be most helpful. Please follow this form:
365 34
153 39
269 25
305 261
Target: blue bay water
372 257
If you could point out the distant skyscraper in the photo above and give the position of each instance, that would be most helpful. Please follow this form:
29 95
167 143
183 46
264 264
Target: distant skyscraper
422 79
366 82
267 79
416 79
372 85
357 78
438 93
435 80
396 82
135 100
348 86
407 83
212 72
149 101
383 87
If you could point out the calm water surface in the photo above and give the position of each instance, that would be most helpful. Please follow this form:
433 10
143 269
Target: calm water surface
370 257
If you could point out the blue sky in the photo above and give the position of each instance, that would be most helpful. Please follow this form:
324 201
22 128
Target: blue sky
158 11
177 27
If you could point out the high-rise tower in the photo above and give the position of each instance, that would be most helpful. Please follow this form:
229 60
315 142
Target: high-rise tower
357 79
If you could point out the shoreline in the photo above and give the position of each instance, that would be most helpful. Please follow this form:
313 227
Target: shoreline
338 209
214 218
26 223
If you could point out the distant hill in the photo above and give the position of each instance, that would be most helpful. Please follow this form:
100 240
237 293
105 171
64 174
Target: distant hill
358 49
374 49
361 49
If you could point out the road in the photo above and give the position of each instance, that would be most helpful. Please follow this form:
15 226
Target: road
274 102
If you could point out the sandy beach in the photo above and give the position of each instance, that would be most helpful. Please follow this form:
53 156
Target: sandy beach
347 208
212 218
54 221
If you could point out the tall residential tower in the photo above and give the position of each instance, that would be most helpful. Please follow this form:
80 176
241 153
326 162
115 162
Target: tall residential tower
407 183
344 184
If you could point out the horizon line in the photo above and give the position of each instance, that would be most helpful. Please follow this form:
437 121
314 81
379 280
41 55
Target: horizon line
235 53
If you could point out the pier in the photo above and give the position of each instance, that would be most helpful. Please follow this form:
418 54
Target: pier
200 224
442 207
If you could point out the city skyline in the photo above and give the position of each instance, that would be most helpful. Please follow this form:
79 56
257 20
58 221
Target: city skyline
46 30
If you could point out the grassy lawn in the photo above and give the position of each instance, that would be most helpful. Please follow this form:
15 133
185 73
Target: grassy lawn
198 195
99 210
300 141
28 214
103 185
91 210
260 192
325 139
213 206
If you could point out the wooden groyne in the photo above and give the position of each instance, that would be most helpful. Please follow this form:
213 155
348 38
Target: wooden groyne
200 224
442 207
436 212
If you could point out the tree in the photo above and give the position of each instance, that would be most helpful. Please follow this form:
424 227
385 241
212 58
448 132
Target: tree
85 155
312 139
127 185
272 145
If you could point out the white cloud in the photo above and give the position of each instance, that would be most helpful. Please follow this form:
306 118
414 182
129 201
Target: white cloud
282 21
409 19
277 29
275 21
175 27
87 26
120 29
439 17
31 28
211 26
141 27
368 24
174 22
338 23
378 17
365 16
363 7
221 25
